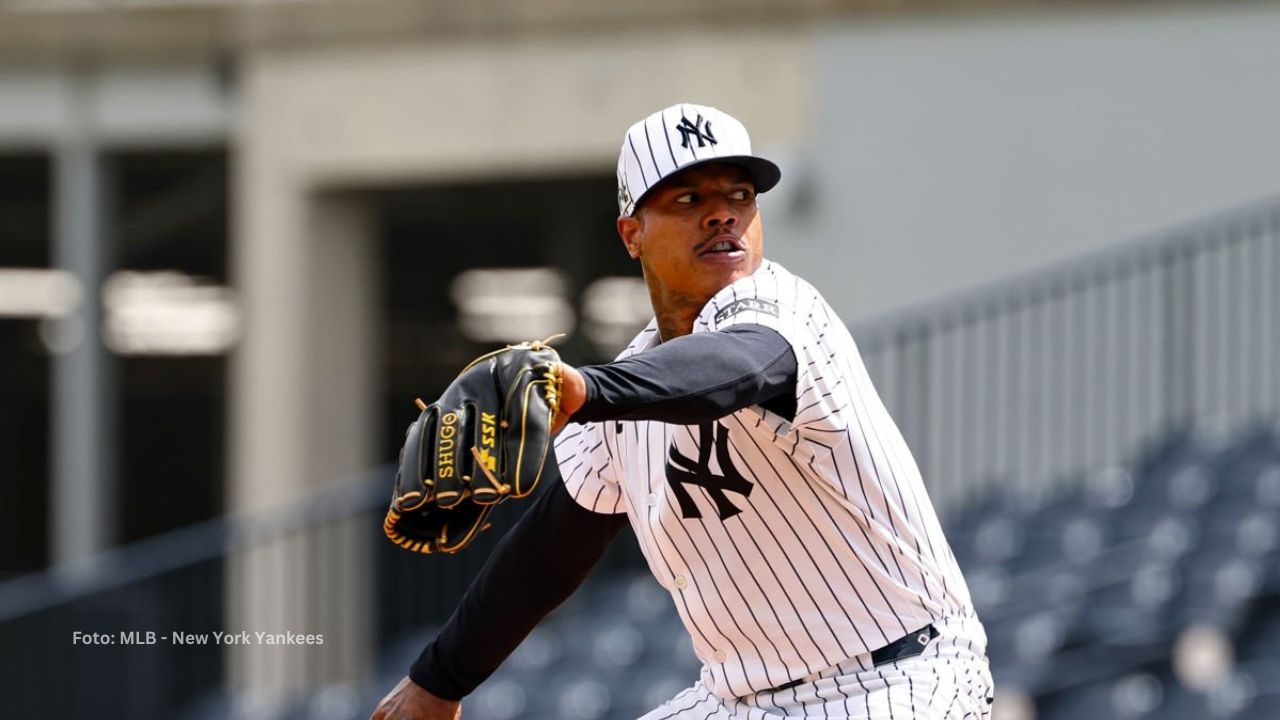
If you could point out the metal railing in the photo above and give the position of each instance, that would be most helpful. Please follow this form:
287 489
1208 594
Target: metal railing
178 582
1031 382
184 580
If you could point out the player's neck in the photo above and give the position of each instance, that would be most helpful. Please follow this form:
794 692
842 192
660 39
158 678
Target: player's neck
675 312
674 324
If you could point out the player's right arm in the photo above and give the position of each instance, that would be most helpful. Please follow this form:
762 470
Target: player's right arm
539 563
408 701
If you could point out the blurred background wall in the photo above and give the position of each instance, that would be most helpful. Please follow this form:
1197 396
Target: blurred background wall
952 151
236 239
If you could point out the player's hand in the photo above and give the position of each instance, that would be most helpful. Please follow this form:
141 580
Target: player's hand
573 393
408 701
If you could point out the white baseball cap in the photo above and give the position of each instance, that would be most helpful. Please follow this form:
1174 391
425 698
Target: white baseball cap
681 137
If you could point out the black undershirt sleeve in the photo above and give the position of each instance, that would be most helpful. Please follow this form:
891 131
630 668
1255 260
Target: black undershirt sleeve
695 378
545 557
539 564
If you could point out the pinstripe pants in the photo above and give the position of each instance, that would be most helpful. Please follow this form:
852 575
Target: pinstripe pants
950 680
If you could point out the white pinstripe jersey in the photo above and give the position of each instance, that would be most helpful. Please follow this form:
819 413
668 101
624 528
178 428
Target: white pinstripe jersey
787 546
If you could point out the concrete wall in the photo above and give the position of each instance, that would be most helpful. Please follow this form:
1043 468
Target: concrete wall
955 151
133 103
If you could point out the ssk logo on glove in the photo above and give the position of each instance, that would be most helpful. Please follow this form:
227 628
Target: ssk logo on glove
488 434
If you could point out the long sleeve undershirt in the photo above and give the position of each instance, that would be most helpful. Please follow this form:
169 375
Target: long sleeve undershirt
695 378
546 555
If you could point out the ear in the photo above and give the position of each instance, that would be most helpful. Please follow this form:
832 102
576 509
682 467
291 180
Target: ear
631 230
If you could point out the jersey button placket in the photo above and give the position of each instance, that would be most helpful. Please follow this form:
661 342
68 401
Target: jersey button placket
681 582
720 657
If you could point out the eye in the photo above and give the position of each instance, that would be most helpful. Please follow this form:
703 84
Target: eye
685 198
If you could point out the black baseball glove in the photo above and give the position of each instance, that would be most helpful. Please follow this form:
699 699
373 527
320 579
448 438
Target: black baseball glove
485 440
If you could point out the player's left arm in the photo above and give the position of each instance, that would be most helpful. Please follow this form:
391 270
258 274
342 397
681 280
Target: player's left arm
691 379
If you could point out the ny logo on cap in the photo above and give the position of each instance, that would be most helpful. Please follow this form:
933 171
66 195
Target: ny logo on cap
696 129
624 193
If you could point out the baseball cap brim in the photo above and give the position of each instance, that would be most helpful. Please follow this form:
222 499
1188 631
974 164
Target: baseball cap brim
764 174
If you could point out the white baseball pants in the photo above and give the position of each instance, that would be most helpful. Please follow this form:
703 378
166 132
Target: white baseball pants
950 680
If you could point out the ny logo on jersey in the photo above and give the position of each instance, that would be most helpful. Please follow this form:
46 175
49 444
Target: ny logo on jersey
682 470
697 129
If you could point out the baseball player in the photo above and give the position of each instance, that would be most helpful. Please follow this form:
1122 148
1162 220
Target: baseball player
740 438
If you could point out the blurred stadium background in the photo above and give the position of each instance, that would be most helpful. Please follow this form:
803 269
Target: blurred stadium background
237 238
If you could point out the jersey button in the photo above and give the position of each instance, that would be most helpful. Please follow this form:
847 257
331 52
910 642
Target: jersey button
653 500
720 656
681 582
